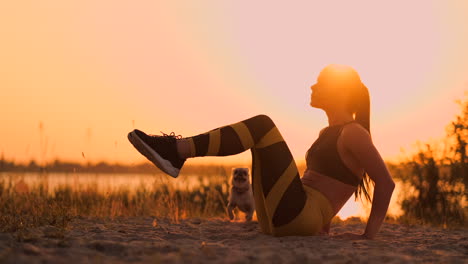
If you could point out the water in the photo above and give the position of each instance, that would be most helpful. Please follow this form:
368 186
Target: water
118 181
102 182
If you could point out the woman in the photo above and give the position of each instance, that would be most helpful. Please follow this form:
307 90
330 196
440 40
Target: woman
339 162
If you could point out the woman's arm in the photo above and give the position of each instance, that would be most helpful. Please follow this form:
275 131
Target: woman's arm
358 141
381 199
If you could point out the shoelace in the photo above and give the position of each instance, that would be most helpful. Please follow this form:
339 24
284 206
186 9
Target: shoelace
170 135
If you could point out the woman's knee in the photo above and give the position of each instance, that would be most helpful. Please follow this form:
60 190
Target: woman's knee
258 126
263 119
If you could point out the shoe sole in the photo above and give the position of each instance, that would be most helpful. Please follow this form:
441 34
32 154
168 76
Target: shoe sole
163 164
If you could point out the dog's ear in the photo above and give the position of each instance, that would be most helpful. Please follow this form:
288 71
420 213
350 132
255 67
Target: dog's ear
245 171
234 172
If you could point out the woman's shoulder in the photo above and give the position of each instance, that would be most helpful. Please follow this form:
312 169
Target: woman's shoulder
355 128
321 131
355 133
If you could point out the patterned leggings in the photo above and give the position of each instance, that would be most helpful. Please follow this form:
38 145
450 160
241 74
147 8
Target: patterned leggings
283 204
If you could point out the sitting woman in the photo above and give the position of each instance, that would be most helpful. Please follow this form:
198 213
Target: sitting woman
339 162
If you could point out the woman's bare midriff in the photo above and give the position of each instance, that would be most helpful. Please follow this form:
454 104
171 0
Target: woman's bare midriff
335 191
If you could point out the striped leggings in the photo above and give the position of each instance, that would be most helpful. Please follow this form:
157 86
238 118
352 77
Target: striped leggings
283 204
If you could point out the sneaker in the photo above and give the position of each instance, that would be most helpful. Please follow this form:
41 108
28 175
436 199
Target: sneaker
160 150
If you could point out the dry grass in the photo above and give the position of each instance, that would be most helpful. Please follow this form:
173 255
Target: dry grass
23 206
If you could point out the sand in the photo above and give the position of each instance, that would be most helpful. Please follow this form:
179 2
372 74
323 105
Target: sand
147 240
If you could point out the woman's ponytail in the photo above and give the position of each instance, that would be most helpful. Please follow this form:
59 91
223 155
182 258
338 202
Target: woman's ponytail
360 103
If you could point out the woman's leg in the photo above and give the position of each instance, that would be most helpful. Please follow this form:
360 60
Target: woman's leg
278 191
284 206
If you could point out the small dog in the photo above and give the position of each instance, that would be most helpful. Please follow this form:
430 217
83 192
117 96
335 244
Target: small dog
241 195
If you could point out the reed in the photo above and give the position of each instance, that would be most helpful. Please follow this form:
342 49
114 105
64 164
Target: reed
23 206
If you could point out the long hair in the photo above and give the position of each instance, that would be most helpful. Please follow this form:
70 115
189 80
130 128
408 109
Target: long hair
359 105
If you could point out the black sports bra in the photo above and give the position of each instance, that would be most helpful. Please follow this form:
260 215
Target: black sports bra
323 156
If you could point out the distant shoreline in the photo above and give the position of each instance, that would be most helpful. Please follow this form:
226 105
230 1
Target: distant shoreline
105 167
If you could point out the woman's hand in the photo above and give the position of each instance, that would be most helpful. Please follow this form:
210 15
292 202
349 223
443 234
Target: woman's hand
350 236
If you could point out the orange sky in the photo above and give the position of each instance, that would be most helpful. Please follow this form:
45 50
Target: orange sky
91 71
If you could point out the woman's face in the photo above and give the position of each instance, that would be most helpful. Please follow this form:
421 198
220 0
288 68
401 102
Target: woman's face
326 95
334 83
314 101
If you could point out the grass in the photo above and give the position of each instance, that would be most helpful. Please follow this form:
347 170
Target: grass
23 206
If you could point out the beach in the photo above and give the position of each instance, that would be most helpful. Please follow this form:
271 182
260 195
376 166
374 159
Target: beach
217 240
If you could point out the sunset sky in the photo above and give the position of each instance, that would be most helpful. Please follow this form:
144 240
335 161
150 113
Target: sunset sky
77 76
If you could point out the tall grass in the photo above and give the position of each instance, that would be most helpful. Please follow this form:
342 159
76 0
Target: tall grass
23 206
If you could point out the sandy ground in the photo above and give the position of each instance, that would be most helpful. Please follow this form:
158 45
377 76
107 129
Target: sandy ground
147 240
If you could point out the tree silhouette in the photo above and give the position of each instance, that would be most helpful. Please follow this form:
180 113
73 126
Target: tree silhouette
437 192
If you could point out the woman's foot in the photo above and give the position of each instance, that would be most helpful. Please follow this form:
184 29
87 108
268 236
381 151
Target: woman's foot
160 150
